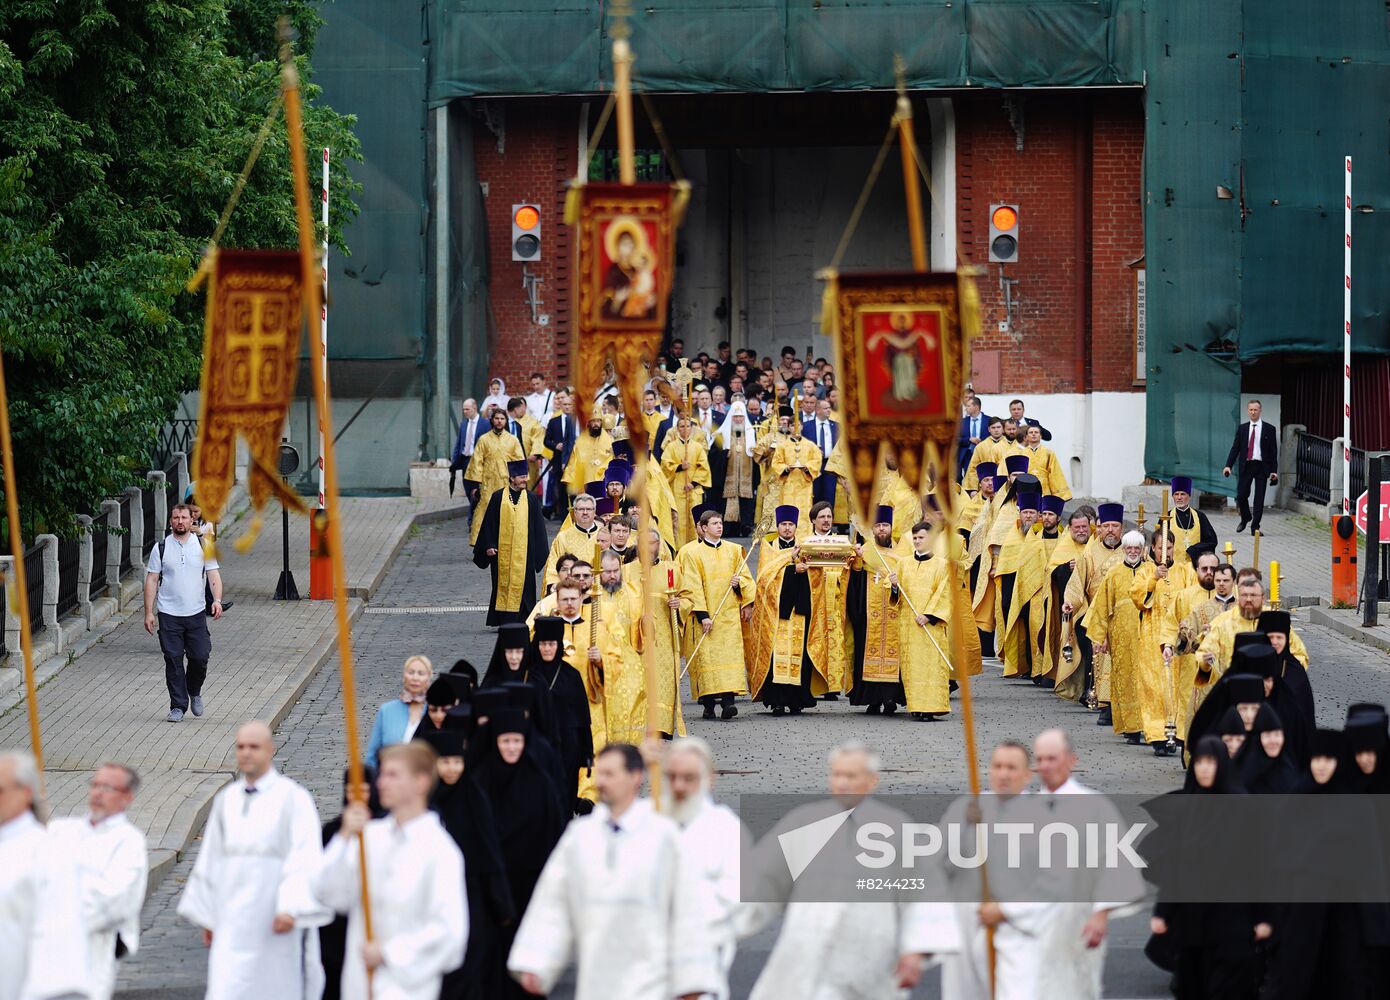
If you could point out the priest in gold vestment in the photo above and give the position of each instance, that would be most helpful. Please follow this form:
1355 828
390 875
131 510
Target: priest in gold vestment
1191 615
1061 561
685 460
1113 625
588 461
1020 579
787 657
618 608
796 463
487 469
1190 526
1155 591
923 635
873 605
579 538
663 593
717 594
1102 552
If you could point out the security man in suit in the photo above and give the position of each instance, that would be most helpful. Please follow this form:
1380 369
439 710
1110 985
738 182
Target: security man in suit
1255 456
559 439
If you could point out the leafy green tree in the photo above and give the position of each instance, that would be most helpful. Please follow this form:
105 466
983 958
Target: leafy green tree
123 127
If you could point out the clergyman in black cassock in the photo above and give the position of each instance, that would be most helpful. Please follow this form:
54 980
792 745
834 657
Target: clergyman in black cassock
513 544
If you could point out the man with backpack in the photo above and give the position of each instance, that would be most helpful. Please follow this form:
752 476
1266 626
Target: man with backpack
178 579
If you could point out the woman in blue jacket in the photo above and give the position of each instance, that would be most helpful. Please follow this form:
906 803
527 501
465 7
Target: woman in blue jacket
397 720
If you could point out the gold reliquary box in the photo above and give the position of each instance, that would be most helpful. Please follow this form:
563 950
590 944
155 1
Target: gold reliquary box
827 552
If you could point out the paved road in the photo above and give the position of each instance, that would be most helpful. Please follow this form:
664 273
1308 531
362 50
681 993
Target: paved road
756 752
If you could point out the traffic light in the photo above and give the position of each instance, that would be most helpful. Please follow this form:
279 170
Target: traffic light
1003 234
526 232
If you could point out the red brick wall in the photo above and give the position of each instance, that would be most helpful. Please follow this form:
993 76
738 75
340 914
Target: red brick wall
1077 181
1077 184
539 158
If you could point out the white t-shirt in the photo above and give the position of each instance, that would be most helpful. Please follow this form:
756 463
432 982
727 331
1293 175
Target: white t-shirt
181 590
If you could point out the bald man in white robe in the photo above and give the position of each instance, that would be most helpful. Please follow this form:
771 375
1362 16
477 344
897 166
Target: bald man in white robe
249 891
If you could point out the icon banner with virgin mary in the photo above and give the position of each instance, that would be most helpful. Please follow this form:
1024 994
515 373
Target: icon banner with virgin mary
626 243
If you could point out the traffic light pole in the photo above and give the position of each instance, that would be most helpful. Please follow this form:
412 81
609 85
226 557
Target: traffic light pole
285 589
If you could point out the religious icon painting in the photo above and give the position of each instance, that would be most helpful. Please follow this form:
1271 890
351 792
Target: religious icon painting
626 238
626 241
901 348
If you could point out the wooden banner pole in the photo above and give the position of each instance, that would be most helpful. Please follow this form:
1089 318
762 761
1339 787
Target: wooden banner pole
312 278
20 592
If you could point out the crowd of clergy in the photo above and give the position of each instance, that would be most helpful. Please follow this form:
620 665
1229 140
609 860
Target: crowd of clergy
506 837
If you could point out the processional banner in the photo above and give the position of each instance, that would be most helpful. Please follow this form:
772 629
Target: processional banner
627 240
901 346
250 352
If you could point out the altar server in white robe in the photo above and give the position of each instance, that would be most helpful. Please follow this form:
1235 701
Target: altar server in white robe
1018 926
415 881
1073 931
617 898
41 926
249 891
113 866
869 949
712 837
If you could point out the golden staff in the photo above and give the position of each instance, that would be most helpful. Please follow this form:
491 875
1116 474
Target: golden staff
1170 726
902 592
308 256
690 660
920 262
21 587
1255 557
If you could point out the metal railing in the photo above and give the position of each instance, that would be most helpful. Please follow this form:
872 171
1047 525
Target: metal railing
126 514
33 579
1314 460
69 558
176 435
101 541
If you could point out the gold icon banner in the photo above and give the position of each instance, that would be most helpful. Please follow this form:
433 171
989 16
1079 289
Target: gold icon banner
627 259
250 352
901 344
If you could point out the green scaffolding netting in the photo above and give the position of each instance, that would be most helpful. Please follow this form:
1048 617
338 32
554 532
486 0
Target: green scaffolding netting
506 47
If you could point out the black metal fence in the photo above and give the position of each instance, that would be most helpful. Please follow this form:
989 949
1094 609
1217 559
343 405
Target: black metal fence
101 542
1313 461
33 579
126 514
176 435
69 554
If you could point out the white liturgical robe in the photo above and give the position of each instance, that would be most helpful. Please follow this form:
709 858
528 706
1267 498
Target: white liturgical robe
261 844
711 843
40 917
622 904
839 950
113 866
419 916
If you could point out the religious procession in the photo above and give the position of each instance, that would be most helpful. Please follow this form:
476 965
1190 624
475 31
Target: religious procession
763 533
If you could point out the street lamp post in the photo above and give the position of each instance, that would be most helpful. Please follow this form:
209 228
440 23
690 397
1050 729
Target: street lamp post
285 589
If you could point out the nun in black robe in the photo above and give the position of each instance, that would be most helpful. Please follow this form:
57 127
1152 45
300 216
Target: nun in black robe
466 813
1213 943
528 812
574 737
1326 947
1264 762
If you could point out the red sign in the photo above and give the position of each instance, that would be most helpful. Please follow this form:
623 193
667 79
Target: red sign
1384 513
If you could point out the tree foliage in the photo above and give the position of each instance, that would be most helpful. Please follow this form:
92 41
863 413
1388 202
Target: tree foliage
123 127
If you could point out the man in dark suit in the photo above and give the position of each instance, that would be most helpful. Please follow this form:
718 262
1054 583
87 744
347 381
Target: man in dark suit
1255 456
471 428
559 439
1016 412
974 428
823 433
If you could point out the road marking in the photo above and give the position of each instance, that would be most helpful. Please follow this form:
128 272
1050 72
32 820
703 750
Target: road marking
427 609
